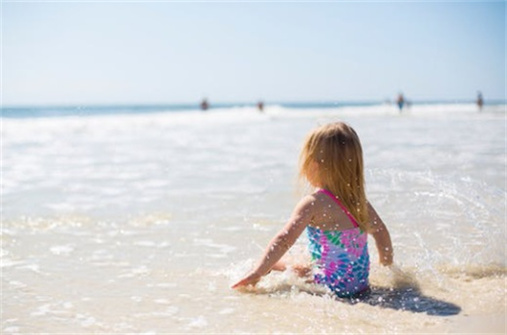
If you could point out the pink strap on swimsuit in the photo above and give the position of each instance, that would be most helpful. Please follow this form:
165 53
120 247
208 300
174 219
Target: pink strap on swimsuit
345 210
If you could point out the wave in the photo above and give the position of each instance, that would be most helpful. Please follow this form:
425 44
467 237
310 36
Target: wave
270 108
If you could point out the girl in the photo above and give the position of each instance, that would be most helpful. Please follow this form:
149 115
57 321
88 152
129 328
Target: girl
337 216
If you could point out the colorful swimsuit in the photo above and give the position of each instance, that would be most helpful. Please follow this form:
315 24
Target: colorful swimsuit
341 260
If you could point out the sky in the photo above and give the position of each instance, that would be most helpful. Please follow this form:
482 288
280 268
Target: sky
61 53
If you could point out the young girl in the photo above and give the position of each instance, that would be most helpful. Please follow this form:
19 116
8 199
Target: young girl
337 216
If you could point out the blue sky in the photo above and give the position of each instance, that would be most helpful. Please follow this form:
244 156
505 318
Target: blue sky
174 52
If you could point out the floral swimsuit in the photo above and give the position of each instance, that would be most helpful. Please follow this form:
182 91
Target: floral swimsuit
340 258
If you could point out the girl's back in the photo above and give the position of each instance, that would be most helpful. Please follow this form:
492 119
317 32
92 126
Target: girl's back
338 247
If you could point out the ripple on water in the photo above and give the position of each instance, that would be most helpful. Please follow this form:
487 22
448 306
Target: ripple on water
62 250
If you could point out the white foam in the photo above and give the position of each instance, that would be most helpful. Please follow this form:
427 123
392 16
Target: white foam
62 250
226 311
13 329
222 248
198 322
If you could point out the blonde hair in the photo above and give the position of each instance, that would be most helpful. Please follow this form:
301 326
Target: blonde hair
337 150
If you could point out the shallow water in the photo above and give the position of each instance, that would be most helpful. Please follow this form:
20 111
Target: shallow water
140 223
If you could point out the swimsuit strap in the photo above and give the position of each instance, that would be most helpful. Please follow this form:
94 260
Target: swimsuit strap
338 202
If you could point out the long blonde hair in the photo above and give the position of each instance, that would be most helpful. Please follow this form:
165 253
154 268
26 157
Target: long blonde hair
337 150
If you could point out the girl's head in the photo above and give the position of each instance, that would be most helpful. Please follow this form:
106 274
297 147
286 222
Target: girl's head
332 158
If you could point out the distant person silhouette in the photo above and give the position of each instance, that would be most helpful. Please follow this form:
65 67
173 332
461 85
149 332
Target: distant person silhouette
480 100
260 106
400 101
204 104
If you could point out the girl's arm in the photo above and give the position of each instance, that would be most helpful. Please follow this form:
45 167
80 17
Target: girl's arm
283 240
379 231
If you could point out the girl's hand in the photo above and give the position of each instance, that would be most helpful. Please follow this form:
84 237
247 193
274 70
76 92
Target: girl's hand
250 279
386 261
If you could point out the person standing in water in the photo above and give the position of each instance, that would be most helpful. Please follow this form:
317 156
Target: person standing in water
480 101
260 106
400 101
337 217
204 104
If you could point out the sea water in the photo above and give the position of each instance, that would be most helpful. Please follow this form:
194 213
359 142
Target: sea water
138 221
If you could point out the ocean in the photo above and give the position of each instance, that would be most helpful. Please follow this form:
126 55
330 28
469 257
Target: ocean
137 219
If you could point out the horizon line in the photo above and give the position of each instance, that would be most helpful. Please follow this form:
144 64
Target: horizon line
243 103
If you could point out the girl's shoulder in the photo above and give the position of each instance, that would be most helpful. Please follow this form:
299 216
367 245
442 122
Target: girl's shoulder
317 198
314 203
327 214
320 198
